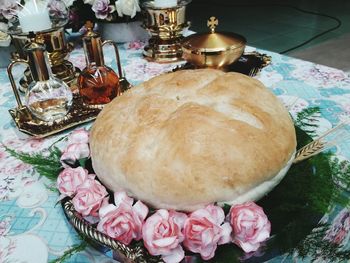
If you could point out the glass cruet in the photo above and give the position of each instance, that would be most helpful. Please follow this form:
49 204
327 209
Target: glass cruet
47 97
98 83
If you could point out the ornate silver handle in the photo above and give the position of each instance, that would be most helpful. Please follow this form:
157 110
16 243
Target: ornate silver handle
124 253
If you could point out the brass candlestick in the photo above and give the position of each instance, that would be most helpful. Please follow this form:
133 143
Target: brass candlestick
165 26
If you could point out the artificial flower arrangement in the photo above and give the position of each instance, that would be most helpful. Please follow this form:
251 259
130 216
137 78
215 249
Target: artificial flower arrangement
7 9
80 11
114 11
306 192
164 233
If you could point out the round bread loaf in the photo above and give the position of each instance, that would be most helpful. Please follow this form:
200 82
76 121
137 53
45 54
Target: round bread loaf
186 139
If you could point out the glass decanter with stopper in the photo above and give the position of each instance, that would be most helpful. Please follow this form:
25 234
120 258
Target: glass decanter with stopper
47 97
98 83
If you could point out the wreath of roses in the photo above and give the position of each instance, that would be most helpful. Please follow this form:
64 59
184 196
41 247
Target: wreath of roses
164 232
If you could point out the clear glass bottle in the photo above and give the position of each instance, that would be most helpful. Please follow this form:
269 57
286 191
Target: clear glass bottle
98 83
47 98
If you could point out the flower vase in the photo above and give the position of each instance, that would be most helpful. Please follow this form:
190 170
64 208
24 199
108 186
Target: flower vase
123 32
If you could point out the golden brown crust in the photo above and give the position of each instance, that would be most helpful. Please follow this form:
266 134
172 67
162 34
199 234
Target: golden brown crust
189 138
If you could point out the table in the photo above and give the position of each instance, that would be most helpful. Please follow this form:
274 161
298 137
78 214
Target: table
33 229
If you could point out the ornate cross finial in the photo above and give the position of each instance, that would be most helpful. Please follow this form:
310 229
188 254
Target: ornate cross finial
212 23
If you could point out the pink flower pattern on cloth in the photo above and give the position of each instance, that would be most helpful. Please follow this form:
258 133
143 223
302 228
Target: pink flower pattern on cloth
250 226
205 229
123 221
163 234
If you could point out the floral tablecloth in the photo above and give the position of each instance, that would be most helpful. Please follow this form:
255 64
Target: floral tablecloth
34 229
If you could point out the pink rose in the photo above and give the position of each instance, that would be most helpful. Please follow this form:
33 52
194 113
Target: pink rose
90 196
250 226
205 229
162 235
78 136
74 152
70 178
123 221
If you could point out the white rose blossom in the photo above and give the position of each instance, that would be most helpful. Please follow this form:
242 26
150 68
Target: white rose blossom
68 3
127 7
90 2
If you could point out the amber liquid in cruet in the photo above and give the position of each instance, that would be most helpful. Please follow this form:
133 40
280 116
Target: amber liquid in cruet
98 85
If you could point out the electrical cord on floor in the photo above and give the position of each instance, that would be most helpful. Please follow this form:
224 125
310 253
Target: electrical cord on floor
337 20
339 23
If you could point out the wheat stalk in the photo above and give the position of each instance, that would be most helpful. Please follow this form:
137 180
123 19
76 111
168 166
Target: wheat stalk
309 150
335 135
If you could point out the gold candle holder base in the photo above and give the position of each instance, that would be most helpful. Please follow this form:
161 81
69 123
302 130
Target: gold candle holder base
165 26
163 51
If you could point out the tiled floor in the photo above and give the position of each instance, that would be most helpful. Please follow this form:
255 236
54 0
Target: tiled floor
274 26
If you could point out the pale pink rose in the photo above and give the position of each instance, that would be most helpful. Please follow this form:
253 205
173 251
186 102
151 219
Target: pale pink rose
90 196
74 152
250 226
204 229
123 221
162 235
8 8
78 136
70 178
102 8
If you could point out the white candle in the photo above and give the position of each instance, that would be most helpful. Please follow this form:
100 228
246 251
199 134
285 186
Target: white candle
34 17
165 3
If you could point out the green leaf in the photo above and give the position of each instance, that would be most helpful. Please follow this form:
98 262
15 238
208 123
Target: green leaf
82 162
306 119
47 166
70 252
52 188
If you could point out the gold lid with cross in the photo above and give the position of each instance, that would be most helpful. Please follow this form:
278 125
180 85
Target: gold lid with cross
212 23
213 49
214 41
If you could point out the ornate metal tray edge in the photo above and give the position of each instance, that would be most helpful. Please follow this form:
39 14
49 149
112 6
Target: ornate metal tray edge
121 252
80 113
250 63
